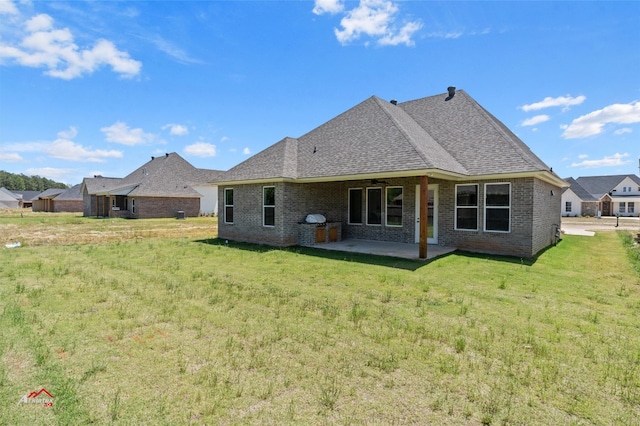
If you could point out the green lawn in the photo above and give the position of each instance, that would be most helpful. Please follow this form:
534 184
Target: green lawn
191 331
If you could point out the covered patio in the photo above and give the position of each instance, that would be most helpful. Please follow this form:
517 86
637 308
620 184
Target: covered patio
385 248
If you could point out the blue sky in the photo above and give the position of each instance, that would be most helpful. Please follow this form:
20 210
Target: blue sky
99 87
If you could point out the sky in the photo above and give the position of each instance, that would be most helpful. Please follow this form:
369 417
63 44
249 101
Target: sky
98 87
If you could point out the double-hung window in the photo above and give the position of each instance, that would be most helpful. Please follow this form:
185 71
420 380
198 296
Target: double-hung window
467 207
269 206
631 207
394 206
374 206
622 208
355 206
497 207
228 205
567 206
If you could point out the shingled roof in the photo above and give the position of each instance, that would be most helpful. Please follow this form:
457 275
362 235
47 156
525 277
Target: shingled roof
452 137
598 186
169 175
577 189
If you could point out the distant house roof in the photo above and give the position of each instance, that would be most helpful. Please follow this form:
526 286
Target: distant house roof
8 199
577 189
72 194
454 138
598 186
27 195
50 193
168 175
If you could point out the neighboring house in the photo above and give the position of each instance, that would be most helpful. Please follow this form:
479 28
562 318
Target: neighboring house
617 195
8 200
25 198
59 200
163 187
438 170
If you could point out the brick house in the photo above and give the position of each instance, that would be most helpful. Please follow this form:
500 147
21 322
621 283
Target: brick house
163 187
437 170
58 200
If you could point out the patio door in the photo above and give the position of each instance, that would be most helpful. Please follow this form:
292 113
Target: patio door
432 215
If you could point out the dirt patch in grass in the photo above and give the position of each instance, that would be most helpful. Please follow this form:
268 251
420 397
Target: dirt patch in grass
33 229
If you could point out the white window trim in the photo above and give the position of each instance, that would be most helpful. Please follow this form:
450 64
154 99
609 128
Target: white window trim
267 205
568 206
367 206
455 214
228 205
133 206
496 208
386 206
349 207
622 207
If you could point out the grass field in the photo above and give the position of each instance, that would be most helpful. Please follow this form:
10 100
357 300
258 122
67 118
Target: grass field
157 322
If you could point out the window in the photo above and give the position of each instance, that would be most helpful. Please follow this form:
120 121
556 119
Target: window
497 207
228 205
394 206
355 206
269 206
624 189
467 207
133 206
567 207
631 207
374 206
621 209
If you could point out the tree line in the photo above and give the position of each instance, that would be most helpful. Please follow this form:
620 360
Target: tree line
21 182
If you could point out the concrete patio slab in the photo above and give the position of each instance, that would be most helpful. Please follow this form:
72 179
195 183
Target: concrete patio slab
384 248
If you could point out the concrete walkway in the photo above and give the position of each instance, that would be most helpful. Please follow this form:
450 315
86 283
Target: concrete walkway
589 226
384 248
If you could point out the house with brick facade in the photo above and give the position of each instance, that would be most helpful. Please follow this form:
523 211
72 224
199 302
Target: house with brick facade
165 186
613 195
58 200
436 170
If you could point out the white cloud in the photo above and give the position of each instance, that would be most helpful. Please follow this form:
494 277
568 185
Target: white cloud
616 159
8 8
55 49
373 18
49 172
120 132
560 101
623 131
328 6
583 156
449 35
246 151
10 157
201 149
593 123
68 150
176 129
68 134
536 120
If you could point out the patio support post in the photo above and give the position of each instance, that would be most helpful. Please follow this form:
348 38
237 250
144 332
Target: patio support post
424 208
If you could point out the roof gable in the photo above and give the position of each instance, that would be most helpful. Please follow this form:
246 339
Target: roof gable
478 140
601 185
169 175
454 135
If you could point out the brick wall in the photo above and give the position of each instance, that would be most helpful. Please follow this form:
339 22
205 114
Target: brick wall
67 206
533 212
156 207
547 210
